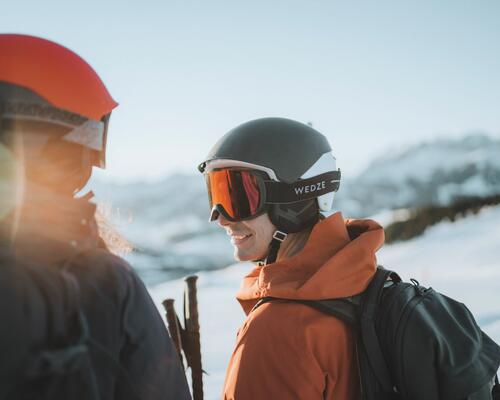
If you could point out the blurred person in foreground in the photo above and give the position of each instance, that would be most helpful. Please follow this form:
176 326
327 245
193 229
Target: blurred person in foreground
270 182
77 322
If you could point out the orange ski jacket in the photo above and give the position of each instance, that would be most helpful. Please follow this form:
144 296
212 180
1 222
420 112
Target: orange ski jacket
287 350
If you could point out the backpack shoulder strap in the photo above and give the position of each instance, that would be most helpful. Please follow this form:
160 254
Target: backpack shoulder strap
345 309
371 300
358 310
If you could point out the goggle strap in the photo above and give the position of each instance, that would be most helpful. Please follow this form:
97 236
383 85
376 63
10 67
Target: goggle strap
40 112
83 131
305 189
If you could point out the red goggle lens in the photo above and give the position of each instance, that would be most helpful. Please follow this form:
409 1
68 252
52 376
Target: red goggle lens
236 191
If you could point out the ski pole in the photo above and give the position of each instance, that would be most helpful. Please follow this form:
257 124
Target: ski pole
192 327
173 325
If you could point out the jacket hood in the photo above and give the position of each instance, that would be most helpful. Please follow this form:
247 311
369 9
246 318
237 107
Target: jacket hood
338 260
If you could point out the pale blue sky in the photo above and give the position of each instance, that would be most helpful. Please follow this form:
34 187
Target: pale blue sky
370 75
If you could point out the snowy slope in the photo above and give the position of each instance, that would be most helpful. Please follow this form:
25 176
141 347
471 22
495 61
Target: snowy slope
460 259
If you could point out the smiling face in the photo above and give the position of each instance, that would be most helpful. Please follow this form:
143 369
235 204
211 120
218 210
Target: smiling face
250 238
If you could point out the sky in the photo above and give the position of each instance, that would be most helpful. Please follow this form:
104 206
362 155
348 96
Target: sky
372 76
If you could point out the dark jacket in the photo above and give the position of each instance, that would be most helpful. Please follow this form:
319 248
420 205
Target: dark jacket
121 316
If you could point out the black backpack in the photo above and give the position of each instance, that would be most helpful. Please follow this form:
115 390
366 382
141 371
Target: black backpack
44 336
414 343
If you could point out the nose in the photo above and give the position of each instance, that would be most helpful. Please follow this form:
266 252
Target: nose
222 221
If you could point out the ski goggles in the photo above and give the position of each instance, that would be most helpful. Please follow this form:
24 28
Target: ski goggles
63 124
241 194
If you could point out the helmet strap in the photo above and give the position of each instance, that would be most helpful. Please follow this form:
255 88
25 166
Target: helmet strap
274 246
289 218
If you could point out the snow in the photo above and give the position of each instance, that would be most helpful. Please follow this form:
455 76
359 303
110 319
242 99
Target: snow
461 260
387 217
424 174
474 186
421 161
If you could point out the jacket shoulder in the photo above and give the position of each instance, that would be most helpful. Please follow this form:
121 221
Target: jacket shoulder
109 275
101 262
326 338
279 313
292 351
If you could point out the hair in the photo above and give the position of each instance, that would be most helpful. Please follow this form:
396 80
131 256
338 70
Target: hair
295 242
114 241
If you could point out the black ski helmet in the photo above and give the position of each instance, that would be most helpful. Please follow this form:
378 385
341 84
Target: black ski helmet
287 151
287 147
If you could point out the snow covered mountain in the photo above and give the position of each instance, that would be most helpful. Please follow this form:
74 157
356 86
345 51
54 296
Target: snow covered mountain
167 220
428 173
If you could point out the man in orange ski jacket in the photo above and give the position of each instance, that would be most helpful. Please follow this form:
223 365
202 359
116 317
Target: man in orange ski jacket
269 180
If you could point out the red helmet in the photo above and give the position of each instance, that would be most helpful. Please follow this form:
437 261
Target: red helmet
70 91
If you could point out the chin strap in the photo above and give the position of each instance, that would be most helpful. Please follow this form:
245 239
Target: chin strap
274 246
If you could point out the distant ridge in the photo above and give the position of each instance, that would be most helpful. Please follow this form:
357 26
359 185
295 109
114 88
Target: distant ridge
422 218
431 173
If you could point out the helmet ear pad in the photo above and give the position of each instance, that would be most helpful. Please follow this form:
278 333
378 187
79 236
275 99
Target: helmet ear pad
294 217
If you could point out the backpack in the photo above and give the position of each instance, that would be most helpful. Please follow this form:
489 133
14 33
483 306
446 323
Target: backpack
45 334
413 342
44 337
